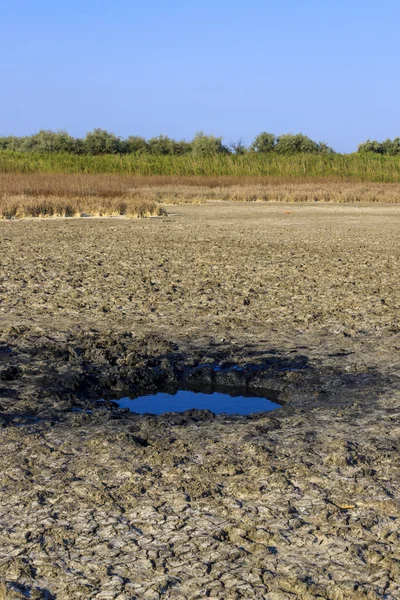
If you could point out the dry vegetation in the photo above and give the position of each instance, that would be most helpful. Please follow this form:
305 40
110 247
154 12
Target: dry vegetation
36 195
52 195
24 206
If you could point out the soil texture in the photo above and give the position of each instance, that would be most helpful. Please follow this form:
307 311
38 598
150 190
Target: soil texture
304 502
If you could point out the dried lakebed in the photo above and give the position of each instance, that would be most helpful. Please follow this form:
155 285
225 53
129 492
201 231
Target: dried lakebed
301 502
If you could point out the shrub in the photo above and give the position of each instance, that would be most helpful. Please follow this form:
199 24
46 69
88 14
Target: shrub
371 146
49 141
391 147
100 141
264 142
162 144
134 143
44 141
294 144
323 148
10 143
182 147
207 145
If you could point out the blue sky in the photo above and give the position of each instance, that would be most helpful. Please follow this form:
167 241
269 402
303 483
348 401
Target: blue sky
327 68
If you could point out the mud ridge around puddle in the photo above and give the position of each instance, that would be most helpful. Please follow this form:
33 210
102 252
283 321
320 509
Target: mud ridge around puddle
299 503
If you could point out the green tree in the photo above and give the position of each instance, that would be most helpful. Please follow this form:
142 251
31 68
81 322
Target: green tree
295 143
49 141
264 142
207 145
182 147
371 146
162 144
391 147
100 141
11 143
134 143
323 148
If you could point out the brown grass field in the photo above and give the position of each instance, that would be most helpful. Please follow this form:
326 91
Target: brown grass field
63 195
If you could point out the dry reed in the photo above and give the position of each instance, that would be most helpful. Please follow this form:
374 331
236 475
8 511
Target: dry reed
276 192
51 195
47 206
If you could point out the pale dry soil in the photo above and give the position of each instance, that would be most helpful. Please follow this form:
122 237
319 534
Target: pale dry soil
299 503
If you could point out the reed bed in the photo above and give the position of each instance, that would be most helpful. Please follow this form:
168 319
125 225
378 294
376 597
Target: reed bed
275 192
39 194
360 166
47 206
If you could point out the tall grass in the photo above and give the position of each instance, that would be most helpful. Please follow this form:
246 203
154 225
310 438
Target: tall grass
22 206
41 195
361 167
49 195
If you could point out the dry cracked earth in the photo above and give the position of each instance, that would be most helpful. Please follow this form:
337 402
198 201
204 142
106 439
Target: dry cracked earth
301 503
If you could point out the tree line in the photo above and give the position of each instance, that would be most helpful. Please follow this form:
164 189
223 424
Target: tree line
388 147
100 141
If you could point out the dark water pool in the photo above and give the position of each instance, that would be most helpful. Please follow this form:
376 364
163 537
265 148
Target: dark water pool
185 400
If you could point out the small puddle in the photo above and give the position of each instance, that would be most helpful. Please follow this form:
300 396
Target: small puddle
182 400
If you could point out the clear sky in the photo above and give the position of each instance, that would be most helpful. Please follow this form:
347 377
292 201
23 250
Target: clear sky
326 68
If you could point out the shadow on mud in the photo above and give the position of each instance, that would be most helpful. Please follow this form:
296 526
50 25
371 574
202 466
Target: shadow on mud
47 376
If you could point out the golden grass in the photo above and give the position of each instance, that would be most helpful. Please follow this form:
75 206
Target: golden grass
23 206
63 195
277 192
108 184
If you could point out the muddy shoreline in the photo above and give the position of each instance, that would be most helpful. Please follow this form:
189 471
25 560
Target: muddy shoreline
301 503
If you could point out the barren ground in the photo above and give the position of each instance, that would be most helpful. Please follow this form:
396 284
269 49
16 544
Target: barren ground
300 503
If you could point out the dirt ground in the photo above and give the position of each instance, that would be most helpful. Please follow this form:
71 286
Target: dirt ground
301 503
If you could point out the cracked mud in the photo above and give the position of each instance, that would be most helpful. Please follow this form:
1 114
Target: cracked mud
299 503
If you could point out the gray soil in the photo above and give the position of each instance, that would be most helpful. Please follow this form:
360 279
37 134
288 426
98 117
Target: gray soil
299 503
